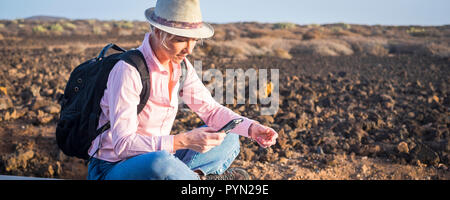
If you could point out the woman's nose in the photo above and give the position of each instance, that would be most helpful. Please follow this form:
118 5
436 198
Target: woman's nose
190 46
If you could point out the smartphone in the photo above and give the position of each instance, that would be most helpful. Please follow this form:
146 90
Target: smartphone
230 125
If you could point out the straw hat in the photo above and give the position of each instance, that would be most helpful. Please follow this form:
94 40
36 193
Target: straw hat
179 17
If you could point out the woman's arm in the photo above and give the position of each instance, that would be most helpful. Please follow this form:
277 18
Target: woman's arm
123 95
199 99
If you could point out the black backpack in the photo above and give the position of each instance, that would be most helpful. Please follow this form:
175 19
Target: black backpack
80 104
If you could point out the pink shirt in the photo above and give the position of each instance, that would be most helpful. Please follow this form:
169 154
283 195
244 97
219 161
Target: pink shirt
131 134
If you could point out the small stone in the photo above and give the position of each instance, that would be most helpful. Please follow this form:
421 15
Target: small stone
52 109
50 170
269 119
43 117
320 150
402 147
5 103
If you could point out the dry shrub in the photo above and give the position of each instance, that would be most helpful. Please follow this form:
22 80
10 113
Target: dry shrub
219 35
98 30
271 43
39 29
346 33
371 46
417 31
235 49
439 50
286 34
264 42
361 30
78 48
281 53
327 47
253 32
313 34
226 32
284 25
244 47
124 32
418 48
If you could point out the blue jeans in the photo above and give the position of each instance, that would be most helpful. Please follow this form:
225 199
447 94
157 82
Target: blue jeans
162 165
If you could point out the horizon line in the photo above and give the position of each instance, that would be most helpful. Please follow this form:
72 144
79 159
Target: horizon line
230 22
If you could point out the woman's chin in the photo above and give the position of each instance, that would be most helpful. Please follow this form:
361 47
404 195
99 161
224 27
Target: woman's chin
177 59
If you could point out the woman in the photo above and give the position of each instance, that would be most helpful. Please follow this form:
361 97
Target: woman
140 146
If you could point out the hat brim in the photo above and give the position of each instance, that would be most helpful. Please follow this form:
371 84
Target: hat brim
206 31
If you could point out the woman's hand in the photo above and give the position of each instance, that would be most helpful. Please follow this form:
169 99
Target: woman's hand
200 139
263 135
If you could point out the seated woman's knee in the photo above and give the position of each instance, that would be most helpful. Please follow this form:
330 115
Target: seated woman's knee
161 163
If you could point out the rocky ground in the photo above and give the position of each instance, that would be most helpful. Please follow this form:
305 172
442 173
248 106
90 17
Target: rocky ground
356 102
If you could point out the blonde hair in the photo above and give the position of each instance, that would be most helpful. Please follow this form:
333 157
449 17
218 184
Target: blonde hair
165 36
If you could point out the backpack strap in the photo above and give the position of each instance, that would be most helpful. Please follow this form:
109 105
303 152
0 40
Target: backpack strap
136 59
183 76
107 47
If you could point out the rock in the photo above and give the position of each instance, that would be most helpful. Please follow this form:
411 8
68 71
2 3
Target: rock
325 102
247 154
433 98
43 117
52 109
320 150
402 147
425 154
11 115
58 168
41 102
50 171
364 169
342 127
359 133
342 74
35 90
301 123
318 109
267 155
48 92
266 119
5 102
315 121
18 160
293 134
374 149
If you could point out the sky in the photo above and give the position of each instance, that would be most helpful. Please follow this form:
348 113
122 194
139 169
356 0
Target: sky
369 12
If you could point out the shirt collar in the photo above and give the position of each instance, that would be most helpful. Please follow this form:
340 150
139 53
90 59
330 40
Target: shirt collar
152 61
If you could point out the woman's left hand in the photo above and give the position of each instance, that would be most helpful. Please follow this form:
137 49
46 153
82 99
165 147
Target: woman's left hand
264 135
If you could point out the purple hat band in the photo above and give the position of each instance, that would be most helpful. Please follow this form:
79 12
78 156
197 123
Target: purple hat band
176 24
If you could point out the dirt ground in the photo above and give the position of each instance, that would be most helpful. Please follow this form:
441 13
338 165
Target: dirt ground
356 102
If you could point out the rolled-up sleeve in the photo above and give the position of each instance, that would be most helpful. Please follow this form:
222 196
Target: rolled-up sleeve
125 85
199 99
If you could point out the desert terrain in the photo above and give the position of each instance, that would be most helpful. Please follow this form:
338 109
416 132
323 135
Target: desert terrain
356 102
